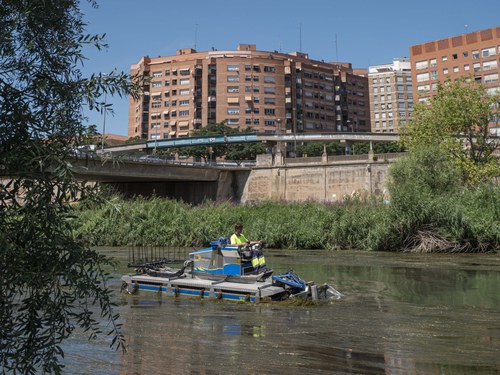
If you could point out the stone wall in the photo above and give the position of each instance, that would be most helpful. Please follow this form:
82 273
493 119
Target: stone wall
321 182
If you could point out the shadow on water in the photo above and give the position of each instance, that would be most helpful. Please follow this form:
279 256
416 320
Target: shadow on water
402 314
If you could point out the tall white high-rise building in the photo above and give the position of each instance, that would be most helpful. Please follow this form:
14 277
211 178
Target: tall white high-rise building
391 98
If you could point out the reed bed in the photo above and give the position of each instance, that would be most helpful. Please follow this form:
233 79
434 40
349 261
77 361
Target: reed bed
468 221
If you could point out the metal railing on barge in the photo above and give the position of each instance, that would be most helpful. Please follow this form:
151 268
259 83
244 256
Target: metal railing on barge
156 255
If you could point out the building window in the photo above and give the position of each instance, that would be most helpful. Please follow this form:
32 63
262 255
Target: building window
465 54
156 84
269 111
490 65
488 78
157 74
475 55
233 78
232 121
269 69
422 89
184 72
421 65
232 68
455 69
269 101
184 113
466 67
491 51
269 90
248 67
269 122
184 92
183 102
233 111
445 71
269 79
444 58
477 67
434 74
184 81
422 77
433 63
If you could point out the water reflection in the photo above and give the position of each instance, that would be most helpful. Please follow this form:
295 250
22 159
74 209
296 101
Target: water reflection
402 314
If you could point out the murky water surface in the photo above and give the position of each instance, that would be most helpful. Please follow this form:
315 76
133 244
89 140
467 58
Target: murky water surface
402 314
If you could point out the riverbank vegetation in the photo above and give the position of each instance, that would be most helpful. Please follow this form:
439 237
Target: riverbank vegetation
430 209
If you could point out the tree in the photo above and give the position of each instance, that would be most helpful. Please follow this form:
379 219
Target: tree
50 281
317 148
229 151
457 120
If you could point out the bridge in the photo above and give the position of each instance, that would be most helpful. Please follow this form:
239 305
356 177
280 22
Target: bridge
271 177
213 140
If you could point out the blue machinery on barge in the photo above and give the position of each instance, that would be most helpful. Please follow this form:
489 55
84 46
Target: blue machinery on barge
225 273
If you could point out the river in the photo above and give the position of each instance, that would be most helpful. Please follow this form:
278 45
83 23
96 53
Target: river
401 314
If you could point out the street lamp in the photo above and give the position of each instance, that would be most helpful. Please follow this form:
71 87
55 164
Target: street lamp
104 121
278 121
156 136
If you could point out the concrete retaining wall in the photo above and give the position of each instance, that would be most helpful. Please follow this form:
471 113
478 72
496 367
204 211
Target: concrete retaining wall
322 182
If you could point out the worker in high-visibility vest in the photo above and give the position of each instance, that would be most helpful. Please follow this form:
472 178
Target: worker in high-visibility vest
239 239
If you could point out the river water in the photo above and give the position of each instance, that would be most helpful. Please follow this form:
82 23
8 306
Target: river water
401 314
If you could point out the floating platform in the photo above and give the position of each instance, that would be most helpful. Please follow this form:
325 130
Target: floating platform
204 288
223 272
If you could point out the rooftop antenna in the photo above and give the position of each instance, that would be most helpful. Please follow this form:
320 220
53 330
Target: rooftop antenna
300 37
195 34
336 48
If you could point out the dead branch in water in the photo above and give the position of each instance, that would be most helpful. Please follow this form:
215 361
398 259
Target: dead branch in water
427 241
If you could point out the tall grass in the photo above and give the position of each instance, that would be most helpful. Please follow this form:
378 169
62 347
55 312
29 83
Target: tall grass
429 210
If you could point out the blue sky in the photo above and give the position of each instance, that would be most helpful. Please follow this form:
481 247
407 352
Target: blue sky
361 32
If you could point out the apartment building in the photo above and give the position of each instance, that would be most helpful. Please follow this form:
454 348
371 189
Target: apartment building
266 91
474 54
391 96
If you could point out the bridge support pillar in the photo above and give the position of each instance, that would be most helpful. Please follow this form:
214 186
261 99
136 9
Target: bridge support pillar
370 152
278 158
